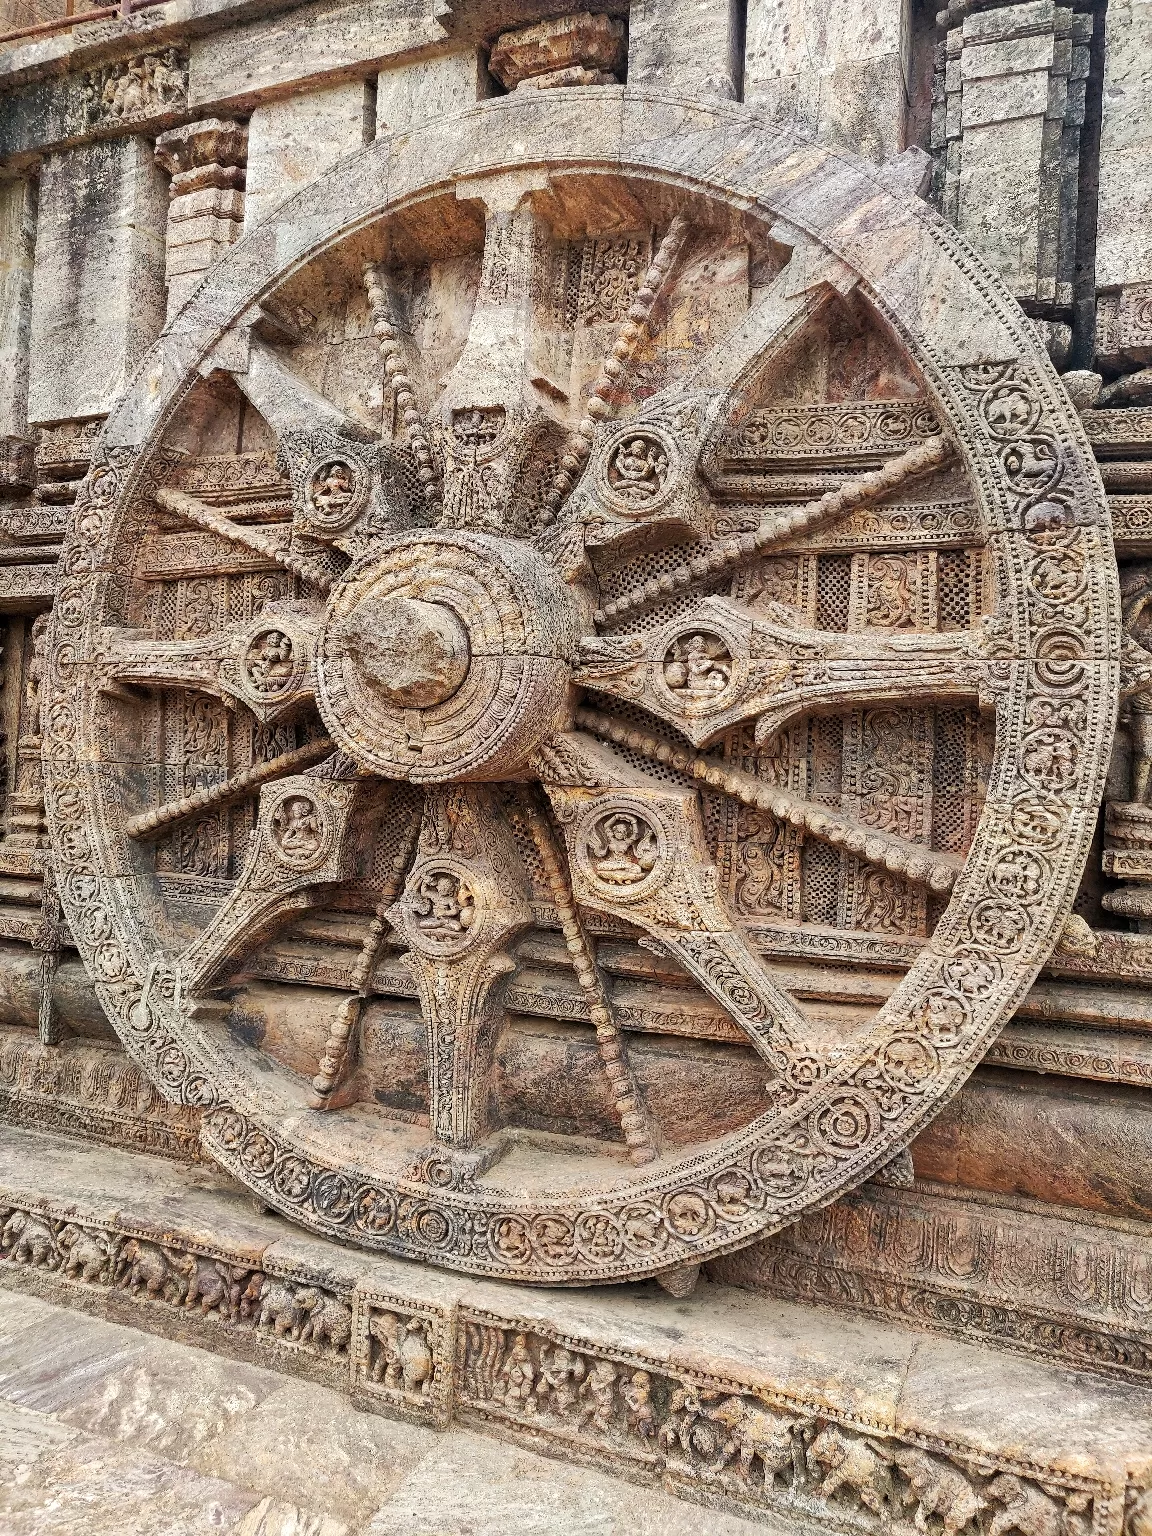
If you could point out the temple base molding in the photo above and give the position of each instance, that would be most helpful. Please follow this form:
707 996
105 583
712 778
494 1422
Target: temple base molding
738 1400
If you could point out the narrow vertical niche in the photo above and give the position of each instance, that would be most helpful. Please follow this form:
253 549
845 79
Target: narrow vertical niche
371 91
738 43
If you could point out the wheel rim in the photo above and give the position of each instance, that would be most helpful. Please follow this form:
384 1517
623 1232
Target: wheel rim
834 1117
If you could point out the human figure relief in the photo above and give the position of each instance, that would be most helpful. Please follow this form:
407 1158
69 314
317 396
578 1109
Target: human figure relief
333 486
297 829
560 1375
698 665
517 1378
638 470
443 904
269 661
623 848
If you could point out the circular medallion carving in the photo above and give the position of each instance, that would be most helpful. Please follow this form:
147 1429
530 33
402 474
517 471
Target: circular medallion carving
698 669
336 492
270 664
639 471
622 848
299 831
441 912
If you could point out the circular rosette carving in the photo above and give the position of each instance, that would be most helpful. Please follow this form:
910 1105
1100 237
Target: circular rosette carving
547 738
846 1122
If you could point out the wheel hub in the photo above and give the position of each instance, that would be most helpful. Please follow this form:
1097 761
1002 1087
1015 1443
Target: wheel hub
446 655
409 653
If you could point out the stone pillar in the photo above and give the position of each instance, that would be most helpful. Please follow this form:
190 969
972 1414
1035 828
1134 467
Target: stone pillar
1007 128
98 281
206 211
291 142
1124 230
17 240
438 87
834 72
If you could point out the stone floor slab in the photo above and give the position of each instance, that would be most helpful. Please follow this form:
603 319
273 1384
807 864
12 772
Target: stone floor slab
237 1451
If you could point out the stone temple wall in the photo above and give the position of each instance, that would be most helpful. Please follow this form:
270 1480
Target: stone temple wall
574 594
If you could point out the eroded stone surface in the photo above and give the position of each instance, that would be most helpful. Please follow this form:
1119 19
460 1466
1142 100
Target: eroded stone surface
717 787
261 1456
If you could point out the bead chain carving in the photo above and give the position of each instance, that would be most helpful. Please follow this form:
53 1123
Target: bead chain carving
850 496
235 788
388 341
606 389
194 511
334 1056
925 866
625 1091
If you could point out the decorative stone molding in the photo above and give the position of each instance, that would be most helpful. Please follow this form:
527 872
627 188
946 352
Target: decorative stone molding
63 453
127 92
82 1088
1124 326
572 50
1008 111
206 161
1047 1281
720 1430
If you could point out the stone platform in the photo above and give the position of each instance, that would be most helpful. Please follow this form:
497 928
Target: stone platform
801 1417
106 1431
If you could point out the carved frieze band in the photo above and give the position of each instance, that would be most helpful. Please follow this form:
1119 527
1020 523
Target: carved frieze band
91 1090
1042 1280
712 1435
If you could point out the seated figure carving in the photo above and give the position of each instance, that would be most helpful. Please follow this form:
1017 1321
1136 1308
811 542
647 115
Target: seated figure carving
623 848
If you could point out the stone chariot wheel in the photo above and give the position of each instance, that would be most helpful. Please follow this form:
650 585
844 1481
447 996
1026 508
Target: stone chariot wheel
542 603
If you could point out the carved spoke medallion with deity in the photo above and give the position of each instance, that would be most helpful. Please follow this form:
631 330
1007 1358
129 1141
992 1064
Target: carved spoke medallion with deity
453 787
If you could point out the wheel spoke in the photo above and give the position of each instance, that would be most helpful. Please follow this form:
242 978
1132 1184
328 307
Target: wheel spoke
924 866
196 512
264 663
339 1047
721 664
924 459
386 326
644 473
464 903
307 830
637 851
286 401
606 391
170 814
634 1119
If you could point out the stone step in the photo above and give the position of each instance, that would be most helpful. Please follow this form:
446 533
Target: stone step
108 1431
767 1408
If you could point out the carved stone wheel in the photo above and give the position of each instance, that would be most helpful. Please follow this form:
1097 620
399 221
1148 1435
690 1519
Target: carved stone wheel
720 582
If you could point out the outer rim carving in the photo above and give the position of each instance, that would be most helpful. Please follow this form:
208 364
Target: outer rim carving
787 1164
